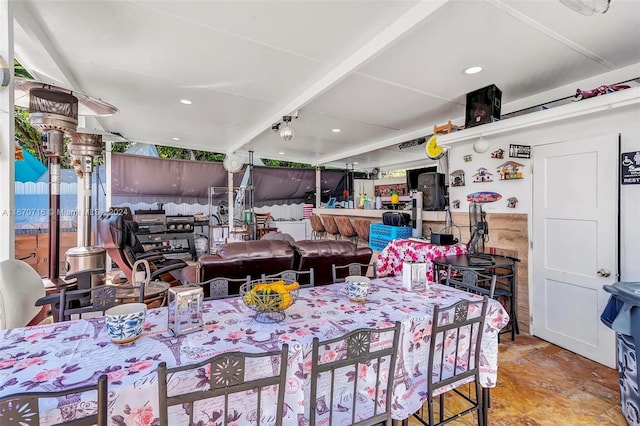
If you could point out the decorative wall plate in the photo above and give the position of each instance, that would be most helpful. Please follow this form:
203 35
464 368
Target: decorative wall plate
483 197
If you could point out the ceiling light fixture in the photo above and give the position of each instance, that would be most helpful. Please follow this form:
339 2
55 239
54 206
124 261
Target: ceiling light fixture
176 139
281 153
587 7
186 101
472 70
335 130
284 129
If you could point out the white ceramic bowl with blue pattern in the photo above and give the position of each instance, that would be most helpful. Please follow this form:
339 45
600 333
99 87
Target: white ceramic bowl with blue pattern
357 288
125 322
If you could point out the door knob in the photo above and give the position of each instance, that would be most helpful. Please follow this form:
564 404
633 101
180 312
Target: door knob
603 273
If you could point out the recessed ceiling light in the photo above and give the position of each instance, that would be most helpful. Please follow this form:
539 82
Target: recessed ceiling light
281 153
473 70
176 139
355 162
186 101
335 130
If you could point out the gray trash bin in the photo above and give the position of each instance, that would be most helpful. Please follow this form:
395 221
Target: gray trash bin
622 314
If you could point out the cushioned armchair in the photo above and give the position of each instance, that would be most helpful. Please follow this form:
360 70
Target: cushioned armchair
118 238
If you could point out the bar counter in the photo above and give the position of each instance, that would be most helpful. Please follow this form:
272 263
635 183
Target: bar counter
431 216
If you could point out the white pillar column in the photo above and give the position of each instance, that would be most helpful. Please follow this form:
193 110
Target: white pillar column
7 138
318 187
230 201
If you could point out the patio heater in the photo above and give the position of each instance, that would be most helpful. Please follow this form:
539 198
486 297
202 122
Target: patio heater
54 111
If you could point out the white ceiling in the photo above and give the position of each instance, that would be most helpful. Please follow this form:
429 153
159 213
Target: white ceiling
381 71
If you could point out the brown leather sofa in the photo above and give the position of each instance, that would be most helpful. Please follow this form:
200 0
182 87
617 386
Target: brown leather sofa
321 254
239 259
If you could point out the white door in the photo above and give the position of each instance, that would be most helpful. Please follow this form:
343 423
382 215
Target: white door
575 186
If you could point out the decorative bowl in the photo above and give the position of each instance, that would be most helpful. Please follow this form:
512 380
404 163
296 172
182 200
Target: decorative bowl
269 298
125 322
357 288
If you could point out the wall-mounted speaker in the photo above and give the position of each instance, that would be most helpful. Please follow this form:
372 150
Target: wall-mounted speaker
483 106
432 186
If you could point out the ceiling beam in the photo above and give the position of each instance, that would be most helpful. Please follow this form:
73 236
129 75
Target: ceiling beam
393 32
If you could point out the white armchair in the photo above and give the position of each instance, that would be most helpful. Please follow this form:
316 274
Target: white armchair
20 287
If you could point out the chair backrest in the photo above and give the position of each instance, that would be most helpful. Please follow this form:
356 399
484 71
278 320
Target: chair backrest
330 224
471 281
20 287
345 227
340 272
456 335
316 223
232 374
114 234
344 367
218 288
23 408
362 227
262 219
96 299
304 278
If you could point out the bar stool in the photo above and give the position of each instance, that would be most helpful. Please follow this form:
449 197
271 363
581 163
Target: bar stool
317 226
330 225
346 229
362 228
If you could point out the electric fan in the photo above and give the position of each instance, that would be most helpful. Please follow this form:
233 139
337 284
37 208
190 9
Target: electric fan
479 230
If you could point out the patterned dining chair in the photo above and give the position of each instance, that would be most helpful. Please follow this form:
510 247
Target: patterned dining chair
340 364
454 359
304 278
218 288
340 272
471 281
221 379
76 303
23 409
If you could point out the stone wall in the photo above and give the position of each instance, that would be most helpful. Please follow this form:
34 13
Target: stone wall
508 232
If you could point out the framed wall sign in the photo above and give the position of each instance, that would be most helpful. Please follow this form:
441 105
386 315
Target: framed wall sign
519 151
630 168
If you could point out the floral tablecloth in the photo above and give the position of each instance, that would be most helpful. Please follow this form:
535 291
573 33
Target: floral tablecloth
396 252
62 355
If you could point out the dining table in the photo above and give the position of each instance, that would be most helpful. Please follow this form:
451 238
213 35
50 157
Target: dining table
63 355
390 260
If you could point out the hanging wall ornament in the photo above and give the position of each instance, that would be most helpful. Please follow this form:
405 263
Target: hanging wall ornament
455 204
467 158
483 175
457 178
498 153
510 170
434 151
483 197
512 202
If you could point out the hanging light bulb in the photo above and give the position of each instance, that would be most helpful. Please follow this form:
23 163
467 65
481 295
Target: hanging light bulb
286 132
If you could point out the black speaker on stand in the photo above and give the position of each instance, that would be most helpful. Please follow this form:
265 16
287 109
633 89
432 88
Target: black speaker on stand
432 186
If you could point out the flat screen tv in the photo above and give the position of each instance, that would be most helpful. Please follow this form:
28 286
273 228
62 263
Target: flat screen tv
412 176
